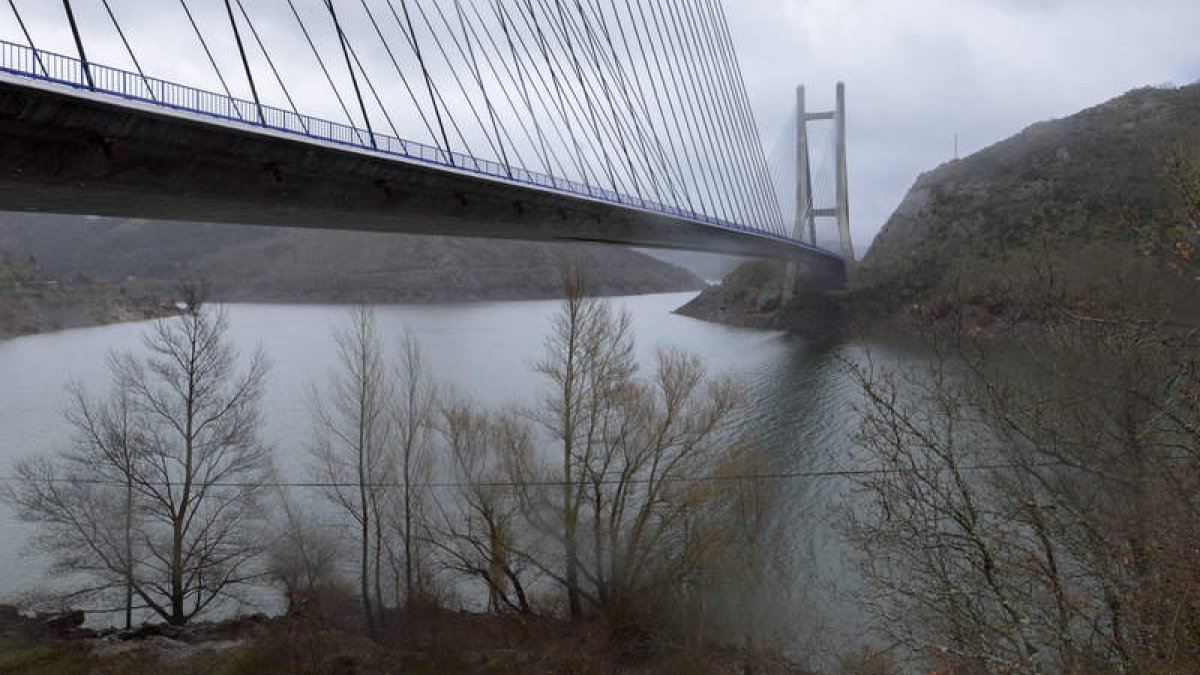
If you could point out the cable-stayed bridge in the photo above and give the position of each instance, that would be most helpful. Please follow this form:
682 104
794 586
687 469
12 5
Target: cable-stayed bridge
619 121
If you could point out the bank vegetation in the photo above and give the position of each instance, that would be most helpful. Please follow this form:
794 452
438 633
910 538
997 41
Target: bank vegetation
618 512
1035 501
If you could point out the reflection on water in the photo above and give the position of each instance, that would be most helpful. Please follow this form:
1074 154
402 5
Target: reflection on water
802 403
803 409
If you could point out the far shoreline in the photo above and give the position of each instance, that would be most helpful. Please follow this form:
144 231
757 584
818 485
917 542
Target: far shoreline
81 315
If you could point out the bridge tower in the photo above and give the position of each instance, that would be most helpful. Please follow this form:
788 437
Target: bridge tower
807 211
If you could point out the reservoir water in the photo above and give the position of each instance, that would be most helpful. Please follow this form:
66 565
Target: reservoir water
801 405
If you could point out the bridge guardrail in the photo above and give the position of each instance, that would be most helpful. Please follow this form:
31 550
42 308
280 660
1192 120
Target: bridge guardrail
61 69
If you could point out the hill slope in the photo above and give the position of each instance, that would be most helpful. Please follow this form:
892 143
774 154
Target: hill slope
277 264
1064 186
1083 209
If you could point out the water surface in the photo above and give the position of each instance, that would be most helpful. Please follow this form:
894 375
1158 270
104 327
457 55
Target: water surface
801 401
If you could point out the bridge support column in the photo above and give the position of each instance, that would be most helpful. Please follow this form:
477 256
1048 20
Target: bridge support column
804 214
805 227
843 187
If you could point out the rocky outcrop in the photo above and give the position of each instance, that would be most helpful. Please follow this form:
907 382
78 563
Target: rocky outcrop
751 296
748 296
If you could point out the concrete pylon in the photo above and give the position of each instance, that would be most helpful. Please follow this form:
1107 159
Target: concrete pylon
807 212
804 199
804 215
843 180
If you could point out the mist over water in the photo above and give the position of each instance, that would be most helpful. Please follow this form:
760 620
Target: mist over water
801 405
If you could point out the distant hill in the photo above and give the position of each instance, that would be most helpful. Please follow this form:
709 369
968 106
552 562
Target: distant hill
250 263
708 266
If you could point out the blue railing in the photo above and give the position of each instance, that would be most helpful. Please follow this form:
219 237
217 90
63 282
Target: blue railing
58 68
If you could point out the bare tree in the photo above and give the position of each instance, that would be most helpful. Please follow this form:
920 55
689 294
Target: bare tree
588 352
634 521
204 466
89 494
303 559
934 535
164 485
658 440
413 411
353 431
1037 517
478 525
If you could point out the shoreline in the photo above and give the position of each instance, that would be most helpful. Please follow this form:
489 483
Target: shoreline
78 307
74 314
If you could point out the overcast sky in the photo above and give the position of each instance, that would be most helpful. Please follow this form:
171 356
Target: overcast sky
917 71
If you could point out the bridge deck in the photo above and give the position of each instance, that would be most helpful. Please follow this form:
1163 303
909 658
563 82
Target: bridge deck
177 153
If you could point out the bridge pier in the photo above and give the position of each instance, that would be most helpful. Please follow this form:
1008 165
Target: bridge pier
806 212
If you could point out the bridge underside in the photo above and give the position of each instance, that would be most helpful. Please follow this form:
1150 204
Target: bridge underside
78 153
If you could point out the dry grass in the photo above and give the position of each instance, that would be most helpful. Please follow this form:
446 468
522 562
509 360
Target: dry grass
432 641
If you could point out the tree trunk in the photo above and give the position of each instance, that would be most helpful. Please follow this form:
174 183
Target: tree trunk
378 567
364 585
572 550
408 542
179 522
128 554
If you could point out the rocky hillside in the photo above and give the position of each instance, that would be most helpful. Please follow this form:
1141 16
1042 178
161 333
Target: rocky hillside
1095 207
291 265
1097 184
